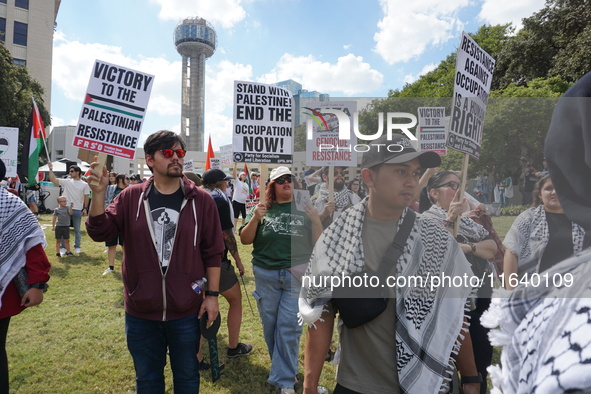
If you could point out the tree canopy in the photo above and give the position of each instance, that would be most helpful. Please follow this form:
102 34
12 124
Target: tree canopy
17 88
533 69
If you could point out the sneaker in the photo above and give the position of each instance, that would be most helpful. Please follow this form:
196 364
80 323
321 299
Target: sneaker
58 254
77 250
108 271
63 251
69 254
243 349
287 391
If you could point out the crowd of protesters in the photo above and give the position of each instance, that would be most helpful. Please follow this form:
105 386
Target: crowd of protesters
390 218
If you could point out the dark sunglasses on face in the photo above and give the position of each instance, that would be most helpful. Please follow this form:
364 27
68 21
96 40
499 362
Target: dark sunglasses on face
169 152
283 179
452 185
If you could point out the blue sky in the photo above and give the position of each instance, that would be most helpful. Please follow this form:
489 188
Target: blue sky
344 48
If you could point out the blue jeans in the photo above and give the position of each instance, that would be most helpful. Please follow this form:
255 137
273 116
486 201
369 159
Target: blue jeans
148 340
76 219
278 308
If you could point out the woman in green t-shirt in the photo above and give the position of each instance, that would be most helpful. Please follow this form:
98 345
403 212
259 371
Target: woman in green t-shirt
282 239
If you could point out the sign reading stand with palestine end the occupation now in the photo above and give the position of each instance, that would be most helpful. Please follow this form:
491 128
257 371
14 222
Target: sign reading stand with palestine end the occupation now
114 108
263 130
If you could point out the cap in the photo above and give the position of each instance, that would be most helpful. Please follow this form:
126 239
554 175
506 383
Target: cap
192 176
396 151
279 171
214 175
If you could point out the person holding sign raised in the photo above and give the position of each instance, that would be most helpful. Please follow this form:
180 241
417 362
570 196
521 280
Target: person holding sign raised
172 239
343 197
282 239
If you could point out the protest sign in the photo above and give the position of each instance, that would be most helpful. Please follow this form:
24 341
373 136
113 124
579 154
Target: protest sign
323 146
114 108
226 155
262 131
431 130
472 82
215 163
301 198
188 165
9 149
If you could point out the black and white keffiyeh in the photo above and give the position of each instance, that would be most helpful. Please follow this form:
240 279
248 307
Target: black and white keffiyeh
343 198
544 332
20 231
428 321
468 228
528 236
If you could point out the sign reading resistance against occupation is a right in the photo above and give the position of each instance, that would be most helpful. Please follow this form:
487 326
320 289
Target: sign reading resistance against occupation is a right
472 82
113 111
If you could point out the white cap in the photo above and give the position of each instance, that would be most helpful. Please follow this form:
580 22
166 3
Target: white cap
279 171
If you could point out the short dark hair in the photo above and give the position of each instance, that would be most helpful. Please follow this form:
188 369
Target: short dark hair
162 139
120 178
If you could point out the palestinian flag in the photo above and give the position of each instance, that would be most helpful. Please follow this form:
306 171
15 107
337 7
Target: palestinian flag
32 146
247 180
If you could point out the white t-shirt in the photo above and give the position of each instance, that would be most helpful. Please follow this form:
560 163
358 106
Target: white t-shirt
240 191
75 191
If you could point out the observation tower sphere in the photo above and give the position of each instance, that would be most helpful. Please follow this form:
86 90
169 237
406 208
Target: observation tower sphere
195 40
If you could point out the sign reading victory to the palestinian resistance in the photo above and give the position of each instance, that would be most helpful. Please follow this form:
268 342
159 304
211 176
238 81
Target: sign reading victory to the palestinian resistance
9 149
262 130
431 130
114 109
323 146
472 81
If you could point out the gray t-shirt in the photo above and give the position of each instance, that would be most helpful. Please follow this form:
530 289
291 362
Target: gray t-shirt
368 352
63 217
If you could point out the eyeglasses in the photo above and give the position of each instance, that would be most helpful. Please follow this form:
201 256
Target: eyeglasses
339 172
452 185
72 171
169 152
281 180
127 179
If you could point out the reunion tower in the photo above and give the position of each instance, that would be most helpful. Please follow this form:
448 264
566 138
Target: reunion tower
195 40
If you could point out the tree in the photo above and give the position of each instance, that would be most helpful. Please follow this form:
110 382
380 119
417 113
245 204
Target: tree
555 41
17 88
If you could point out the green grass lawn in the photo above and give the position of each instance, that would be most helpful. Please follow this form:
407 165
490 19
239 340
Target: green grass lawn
75 341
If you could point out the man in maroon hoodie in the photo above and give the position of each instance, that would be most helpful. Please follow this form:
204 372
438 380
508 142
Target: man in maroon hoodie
172 238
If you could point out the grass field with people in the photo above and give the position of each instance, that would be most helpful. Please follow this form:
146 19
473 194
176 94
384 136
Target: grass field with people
75 340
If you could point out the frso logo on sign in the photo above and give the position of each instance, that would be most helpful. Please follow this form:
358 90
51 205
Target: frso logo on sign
344 126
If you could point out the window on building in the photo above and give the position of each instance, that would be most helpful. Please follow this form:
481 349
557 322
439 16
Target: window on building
2 28
3 1
59 152
19 62
21 4
20 33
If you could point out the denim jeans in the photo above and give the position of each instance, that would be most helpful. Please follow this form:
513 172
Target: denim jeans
76 220
278 308
148 340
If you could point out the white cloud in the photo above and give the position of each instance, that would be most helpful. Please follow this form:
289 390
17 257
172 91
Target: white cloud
220 12
504 11
409 28
350 75
219 99
346 47
409 78
73 61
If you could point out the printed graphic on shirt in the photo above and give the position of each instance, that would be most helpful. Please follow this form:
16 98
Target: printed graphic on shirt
164 222
286 224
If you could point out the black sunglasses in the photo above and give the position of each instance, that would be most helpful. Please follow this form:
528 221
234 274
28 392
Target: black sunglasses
452 185
169 152
281 180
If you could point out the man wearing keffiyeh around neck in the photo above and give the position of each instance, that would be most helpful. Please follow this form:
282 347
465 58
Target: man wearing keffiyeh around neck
411 346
